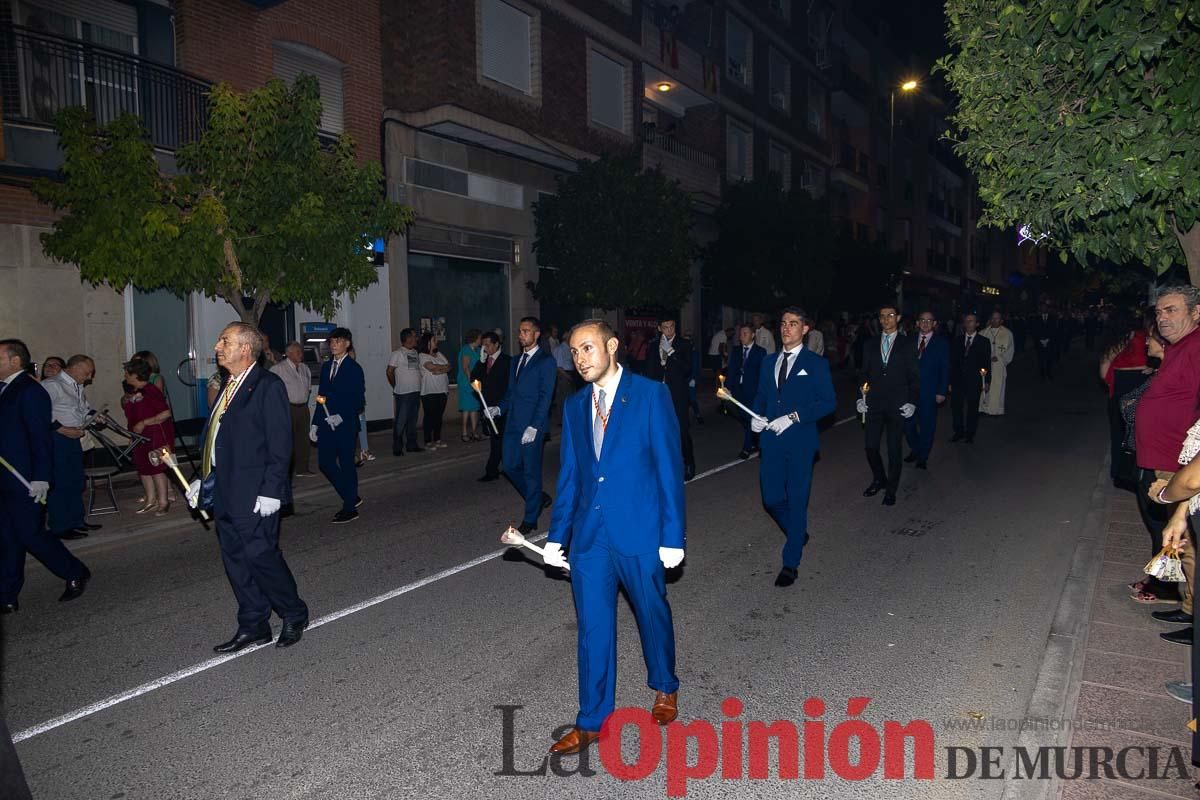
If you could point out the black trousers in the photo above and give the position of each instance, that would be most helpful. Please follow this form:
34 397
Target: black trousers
435 408
890 423
964 404
685 435
495 447
1046 356
21 532
1155 517
254 564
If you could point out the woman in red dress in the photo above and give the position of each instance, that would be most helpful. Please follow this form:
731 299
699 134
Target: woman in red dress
148 414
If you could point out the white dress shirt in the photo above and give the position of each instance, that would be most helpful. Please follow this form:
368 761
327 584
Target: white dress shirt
610 388
69 406
790 355
297 378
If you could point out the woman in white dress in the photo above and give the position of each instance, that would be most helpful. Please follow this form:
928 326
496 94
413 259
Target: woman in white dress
992 401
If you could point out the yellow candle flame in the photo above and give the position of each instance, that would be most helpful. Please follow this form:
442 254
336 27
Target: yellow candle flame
476 385
983 372
321 399
866 387
721 379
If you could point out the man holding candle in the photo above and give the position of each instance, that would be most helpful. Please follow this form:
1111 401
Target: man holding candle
745 366
795 391
335 423
970 366
933 360
890 368
670 363
492 374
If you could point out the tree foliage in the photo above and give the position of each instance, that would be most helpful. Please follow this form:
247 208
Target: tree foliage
614 237
1082 120
773 248
259 209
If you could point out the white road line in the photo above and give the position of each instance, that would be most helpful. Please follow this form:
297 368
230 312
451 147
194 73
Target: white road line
844 421
203 666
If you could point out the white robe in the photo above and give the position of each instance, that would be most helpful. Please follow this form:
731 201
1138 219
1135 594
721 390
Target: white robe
992 401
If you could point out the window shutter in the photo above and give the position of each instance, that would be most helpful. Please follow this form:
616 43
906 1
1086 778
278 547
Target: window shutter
506 39
293 60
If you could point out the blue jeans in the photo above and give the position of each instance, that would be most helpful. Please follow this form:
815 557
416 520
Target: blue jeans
405 408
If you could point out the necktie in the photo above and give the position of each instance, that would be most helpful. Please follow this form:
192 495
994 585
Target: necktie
783 370
599 424
967 346
333 370
213 422
488 361
521 364
885 349
921 348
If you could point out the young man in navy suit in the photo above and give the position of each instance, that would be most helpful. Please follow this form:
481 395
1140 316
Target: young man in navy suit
620 515
244 469
25 444
335 426
795 390
745 364
526 412
933 362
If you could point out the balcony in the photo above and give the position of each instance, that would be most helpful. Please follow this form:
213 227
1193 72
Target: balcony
42 74
696 171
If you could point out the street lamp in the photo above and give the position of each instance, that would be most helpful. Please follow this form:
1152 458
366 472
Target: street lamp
909 85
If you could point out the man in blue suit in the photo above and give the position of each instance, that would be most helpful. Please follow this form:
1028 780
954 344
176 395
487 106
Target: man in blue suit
795 390
745 365
244 468
526 411
335 425
26 445
933 359
620 513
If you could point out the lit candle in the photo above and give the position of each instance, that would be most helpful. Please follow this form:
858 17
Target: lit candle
866 387
478 387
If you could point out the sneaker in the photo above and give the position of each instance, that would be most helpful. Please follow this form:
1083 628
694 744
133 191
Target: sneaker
342 517
1180 691
368 455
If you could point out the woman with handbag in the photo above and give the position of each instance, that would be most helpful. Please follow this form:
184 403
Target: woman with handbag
147 414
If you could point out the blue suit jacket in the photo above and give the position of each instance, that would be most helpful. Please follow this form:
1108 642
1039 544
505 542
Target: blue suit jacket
934 366
632 498
25 434
810 396
253 446
526 404
345 395
747 388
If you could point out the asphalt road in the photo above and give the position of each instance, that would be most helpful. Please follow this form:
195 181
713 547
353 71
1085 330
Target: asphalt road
936 609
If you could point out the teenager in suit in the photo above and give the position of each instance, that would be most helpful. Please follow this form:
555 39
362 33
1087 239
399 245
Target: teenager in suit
335 425
970 355
1047 332
670 362
890 369
741 379
933 362
795 390
526 410
492 374
26 445
620 516
244 471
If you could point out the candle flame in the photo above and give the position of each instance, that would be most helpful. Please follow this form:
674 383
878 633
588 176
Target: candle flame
476 385
866 387
321 399
721 380
983 372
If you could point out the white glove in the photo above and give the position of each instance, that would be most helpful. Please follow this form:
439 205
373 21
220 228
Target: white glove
312 433
670 557
494 410
334 421
907 410
758 424
38 491
780 424
529 435
265 506
552 556
692 383
861 405
193 494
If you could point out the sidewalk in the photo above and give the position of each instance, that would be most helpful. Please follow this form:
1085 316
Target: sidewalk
1125 665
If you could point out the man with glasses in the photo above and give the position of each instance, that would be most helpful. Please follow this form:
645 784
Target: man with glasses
933 360
891 374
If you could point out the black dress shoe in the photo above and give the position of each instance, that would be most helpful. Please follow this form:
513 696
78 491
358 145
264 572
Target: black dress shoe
910 458
526 528
243 640
922 465
889 499
342 517
9 608
488 478
744 455
689 472
69 535
956 437
546 500
1180 636
291 633
786 576
1176 615
872 490
89 526
75 587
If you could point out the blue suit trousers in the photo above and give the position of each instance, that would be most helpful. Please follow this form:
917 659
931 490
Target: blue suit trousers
65 501
786 480
335 457
523 468
260 578
920 427
21 532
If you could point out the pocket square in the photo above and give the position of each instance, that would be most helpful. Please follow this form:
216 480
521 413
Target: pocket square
802 372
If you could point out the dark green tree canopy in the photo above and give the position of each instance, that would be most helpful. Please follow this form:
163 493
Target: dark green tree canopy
773 249
615 237
1081 119
259 209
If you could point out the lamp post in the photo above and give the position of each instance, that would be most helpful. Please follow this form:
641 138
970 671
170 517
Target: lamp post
908 86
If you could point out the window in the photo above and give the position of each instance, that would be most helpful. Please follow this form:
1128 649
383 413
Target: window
739 51
779 161
739 151
506 45
293 60
608 93
812 179
781 81
816 107
483 188
781 7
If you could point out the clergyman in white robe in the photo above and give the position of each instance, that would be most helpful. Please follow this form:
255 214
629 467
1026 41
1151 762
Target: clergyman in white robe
992 401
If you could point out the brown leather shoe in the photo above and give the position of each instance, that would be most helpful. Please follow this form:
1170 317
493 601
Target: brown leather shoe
666 707
576 741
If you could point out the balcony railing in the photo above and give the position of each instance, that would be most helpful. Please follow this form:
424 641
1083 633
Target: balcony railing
677 148
42 74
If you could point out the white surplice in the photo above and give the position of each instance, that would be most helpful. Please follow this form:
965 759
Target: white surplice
992 401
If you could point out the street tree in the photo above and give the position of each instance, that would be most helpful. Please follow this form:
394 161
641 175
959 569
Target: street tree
1082 121
614 236
260 211
773 248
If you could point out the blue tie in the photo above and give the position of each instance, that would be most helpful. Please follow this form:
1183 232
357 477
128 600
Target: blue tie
521 363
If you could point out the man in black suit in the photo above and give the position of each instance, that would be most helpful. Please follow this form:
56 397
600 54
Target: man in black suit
1046 330
669 361
492 374
741 379
891 370
244 466
970 356
26 446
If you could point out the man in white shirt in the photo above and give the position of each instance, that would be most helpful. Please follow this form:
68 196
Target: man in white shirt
297 379
70 410
718 346
404 375
762 336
